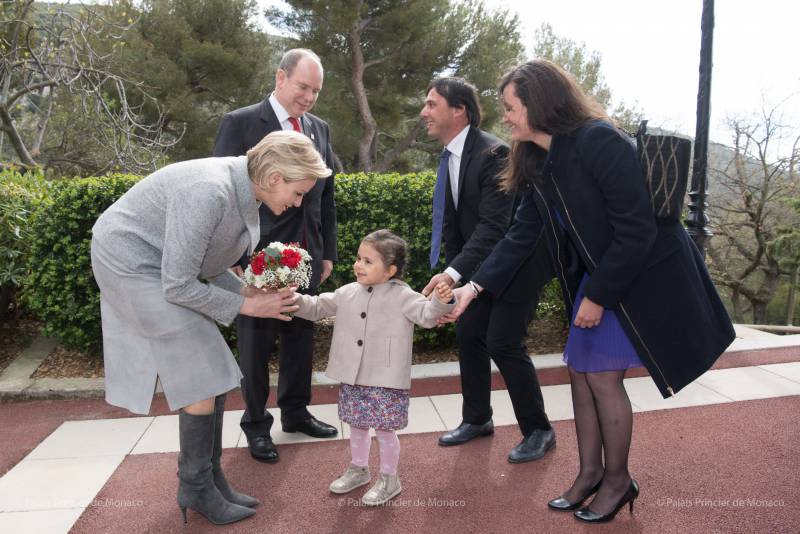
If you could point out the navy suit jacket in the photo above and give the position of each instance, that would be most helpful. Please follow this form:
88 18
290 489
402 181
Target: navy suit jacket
314 222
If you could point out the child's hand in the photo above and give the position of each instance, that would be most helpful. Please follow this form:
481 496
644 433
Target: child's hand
443 293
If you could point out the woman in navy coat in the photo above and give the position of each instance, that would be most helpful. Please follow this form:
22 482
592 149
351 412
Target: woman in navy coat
636 288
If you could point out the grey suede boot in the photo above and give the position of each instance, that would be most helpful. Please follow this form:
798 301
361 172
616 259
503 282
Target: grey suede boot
219 477
196 489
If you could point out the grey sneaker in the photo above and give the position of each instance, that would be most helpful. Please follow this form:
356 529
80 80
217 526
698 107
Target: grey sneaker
387 487
353 478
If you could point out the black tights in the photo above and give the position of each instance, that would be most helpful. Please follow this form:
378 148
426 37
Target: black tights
603 424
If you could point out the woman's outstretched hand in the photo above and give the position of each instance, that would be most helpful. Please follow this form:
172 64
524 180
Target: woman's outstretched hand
270 305
589 314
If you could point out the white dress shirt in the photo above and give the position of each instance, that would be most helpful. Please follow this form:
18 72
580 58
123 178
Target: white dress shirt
283 115
456 148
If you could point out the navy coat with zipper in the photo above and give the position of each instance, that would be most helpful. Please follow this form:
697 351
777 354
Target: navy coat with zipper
648 271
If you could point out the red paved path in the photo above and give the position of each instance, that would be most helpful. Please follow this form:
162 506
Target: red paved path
697 468
24 424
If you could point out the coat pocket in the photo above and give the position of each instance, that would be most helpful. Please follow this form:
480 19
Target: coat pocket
378 356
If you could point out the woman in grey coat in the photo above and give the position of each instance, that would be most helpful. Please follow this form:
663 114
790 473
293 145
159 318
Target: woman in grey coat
161 256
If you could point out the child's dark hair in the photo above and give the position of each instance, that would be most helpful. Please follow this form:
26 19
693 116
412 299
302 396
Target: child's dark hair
392 248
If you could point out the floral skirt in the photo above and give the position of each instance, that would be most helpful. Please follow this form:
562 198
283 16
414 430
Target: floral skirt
373 407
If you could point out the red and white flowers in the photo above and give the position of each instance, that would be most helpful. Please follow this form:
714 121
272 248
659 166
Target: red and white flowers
279 265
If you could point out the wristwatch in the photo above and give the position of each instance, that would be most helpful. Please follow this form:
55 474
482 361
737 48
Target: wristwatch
474 288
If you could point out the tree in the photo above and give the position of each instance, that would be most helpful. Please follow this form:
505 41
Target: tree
748 212
379 56
585 66
50 52
786 247
201 58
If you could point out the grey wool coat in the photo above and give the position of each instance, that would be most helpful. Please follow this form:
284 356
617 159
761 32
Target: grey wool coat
160 256
374 330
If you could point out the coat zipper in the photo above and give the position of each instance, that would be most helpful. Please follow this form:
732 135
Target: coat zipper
621 306
558 251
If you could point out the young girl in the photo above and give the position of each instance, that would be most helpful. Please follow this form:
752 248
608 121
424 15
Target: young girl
371 355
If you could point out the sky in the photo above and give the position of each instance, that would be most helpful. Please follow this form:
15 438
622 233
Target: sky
650 54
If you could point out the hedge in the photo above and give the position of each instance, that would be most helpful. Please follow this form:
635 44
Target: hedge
59 286
20 194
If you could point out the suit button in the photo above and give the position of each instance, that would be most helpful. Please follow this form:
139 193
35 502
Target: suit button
363 315
360 342
369 290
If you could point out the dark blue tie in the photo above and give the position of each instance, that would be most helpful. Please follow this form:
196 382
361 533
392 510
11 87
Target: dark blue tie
442 177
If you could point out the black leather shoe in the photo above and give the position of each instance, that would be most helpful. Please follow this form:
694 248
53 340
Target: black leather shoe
466 432
312 427
532 447
587 515
262 449
560 504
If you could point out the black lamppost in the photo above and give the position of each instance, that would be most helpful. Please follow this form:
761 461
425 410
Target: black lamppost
697 219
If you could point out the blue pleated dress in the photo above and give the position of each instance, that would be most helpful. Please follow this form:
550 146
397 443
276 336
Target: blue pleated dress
606 347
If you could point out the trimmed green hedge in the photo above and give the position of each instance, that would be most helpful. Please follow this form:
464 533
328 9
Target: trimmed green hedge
20 194
59 286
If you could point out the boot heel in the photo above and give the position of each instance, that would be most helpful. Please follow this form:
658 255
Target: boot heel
630 507
183 512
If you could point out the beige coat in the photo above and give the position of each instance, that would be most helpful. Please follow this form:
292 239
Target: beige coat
373 332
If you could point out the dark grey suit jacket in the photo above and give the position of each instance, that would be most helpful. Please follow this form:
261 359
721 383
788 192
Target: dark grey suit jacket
315 220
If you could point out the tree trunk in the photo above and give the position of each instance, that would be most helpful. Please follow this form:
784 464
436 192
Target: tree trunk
759 312
737 306
16 27
791 299
407 142
6 296
7 123
365 159
36 149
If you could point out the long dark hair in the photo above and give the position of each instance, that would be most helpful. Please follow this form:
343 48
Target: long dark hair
556 105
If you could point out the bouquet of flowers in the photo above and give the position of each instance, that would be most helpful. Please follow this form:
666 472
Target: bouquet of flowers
279 265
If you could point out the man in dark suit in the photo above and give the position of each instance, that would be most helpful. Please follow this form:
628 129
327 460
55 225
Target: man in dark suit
298 82
475 217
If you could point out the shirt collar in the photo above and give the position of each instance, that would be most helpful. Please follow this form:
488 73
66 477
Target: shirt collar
456 145
280 111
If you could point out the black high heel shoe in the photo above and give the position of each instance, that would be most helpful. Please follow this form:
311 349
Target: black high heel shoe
585 514
560 504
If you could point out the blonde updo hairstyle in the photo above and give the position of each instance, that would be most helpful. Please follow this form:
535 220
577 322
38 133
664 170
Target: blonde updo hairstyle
290 154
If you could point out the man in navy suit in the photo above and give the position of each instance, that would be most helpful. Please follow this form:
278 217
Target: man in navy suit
476 216
298 82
